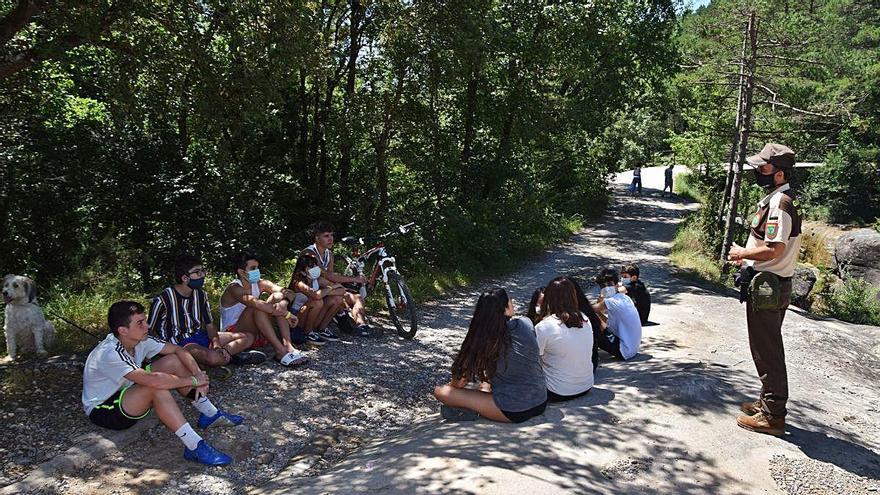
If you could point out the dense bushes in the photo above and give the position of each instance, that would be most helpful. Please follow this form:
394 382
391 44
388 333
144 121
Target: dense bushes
211 127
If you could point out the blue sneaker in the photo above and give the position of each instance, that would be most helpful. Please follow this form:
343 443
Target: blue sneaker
222 416
207 455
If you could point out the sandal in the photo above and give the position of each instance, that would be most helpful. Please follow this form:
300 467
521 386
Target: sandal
292 359
222 373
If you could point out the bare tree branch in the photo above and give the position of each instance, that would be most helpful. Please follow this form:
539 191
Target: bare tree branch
792 59
775 102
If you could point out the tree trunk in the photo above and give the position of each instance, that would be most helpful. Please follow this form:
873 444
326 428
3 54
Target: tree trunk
6 201
744 130
469 129
314 138
302 147
722 207
436 147
379 215
347 141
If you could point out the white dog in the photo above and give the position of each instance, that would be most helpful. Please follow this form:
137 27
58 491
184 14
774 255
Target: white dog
25 324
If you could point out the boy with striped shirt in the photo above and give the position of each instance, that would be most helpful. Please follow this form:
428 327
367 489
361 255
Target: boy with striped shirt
181 315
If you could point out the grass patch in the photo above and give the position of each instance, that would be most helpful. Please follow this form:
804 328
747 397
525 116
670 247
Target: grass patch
854 301
689 255
87 305
685 186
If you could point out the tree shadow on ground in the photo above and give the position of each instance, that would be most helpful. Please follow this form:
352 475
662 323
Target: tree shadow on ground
819 446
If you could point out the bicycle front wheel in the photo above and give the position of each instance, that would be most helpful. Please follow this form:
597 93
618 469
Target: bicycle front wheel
401 306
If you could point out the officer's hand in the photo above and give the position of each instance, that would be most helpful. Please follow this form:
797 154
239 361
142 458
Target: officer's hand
735 253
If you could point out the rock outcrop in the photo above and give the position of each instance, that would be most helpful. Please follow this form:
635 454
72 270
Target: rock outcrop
857 255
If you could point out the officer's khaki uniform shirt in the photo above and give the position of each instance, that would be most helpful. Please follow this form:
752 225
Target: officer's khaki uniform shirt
777 220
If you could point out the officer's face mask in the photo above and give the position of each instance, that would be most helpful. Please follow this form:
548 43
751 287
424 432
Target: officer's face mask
765 181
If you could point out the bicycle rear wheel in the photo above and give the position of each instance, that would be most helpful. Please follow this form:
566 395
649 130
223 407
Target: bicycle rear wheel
401 306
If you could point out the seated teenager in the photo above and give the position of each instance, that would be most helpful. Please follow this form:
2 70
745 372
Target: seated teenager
637 291
595 322
621 334
322 233
242 310
501 353
181 315
565 343
314 300
534 310
118 390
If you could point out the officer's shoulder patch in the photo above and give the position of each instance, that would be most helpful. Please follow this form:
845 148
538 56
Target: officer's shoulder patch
756 220
772 228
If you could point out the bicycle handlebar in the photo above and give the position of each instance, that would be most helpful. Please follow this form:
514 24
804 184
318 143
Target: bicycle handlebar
402 229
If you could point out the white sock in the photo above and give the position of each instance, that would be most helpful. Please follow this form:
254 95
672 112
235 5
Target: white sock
204 406
188 436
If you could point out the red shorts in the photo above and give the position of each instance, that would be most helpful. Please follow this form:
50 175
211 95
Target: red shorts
259 341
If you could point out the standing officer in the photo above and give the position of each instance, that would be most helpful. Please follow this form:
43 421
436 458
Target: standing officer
772 251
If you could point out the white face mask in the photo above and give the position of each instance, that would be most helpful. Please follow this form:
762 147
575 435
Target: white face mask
538 309
608 291
314 272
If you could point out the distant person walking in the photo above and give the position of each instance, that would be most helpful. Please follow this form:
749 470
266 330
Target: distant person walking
636 185
768 262
667 173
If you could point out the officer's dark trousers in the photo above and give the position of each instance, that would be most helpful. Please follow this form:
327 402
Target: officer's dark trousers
765 341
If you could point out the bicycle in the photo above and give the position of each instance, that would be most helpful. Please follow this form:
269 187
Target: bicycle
401 306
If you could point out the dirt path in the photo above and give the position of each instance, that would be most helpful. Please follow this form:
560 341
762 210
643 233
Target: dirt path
662 424
360 418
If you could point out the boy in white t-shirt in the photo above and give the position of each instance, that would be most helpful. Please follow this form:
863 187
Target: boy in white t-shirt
622 332
118 391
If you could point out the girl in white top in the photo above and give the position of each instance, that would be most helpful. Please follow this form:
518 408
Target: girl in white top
313 298
565 342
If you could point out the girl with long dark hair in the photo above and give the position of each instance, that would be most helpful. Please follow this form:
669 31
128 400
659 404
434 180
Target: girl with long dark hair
501 353
313 299
565 342
586 308
534 308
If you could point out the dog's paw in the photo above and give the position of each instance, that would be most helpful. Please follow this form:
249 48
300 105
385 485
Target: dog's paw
6 359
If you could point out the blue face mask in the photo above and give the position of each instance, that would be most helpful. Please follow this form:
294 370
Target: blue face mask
196 283
254 275
627 282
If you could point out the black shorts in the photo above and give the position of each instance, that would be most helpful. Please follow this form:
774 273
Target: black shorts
519 417
610 343
109 414
554 397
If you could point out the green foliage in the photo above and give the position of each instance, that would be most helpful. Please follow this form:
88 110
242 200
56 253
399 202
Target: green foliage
855 301
690 254
847 188
688 186
214 127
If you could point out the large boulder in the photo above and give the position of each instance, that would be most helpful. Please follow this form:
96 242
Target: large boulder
857 255
801 284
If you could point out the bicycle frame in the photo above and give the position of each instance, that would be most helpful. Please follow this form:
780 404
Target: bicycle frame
384 264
